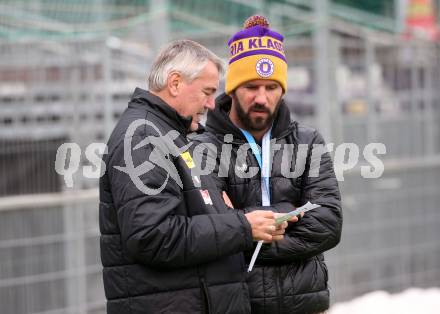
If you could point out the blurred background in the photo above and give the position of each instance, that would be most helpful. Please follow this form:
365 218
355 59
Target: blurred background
360 71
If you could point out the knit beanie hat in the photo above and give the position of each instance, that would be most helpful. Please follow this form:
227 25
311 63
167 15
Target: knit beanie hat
256 52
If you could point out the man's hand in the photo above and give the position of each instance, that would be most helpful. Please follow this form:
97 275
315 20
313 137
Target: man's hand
278 234
263 226
291 219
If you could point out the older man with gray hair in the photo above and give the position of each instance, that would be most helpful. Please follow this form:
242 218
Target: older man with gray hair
169 244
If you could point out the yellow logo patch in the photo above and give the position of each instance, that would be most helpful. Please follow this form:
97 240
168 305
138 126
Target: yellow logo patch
188 159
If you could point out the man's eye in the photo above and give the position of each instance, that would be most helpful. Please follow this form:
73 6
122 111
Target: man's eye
251 87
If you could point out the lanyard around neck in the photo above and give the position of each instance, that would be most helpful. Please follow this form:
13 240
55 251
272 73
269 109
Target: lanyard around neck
254 146
263 159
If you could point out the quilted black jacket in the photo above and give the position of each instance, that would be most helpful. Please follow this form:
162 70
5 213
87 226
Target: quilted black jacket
290 275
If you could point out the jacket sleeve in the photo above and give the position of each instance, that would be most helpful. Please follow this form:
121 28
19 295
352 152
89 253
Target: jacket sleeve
152 230
320 229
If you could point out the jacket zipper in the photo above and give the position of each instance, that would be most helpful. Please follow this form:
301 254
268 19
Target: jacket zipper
207 302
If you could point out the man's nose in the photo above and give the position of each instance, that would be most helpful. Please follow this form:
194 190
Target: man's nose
210 103
261 96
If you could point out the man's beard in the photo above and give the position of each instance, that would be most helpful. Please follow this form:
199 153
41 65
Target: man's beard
258 123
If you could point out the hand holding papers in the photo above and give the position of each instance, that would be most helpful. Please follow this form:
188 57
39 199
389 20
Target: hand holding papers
305 208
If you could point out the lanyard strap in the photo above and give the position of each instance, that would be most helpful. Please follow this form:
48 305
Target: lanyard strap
254 146
263 159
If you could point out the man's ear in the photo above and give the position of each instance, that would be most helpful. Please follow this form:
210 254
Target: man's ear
233 97
174 82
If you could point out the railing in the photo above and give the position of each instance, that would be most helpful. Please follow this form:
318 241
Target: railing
49 254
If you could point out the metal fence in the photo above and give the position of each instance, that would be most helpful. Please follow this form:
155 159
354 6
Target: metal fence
52 93
390 235
49 253
57 92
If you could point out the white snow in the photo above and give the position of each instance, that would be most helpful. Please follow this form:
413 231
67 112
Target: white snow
411 301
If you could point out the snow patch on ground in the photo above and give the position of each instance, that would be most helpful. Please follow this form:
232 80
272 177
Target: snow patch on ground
411 301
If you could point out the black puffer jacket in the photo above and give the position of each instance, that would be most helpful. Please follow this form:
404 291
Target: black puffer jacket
290 275
172 252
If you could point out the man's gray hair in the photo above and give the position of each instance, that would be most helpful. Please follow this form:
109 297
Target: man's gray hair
183 56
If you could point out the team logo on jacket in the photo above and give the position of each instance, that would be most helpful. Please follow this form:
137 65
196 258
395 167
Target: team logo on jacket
186 156
264 67
206 197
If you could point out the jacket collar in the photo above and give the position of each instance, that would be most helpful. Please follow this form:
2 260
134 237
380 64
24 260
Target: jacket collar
157 106
218 121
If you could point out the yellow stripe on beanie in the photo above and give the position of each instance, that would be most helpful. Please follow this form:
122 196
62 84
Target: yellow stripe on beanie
249 68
